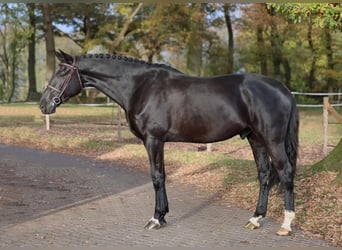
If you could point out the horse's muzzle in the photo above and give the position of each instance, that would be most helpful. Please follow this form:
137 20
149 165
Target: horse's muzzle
48 108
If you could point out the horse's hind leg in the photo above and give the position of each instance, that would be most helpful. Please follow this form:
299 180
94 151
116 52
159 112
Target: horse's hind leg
286 174
264 166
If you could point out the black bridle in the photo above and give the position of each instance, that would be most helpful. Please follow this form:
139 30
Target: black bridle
58 99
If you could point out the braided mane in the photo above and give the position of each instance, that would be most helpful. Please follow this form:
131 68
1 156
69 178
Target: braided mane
128 59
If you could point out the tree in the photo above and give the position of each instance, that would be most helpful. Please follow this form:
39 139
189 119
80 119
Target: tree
268 33
323 15
85 19
124 29
326 16
161 27
195 40
312 72
32 92
227 8
113 28
277 39
13 36
262 55
49 41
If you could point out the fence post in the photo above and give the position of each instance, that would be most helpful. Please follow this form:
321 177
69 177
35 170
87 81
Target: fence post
119 122
47 122
209 147
325 125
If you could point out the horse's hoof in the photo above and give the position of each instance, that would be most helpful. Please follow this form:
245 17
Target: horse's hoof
251 225
154 224
284 232
253 222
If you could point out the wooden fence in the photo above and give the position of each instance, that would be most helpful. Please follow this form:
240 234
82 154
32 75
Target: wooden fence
328 108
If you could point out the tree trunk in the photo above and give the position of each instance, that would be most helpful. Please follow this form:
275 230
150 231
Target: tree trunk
13 70
276 44
330 62
194 52
311 78
276 53
49 41
32 94
287 70
228 20
261 50
87 23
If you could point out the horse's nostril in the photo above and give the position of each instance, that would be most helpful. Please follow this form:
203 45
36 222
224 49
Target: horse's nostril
43 108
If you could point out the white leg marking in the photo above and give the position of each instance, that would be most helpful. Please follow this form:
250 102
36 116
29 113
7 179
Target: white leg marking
288 218
255 220
155 221
152 224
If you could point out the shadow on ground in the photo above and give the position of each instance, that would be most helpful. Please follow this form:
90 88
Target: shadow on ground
34 182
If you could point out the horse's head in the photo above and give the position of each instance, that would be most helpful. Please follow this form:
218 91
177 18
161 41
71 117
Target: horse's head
64 83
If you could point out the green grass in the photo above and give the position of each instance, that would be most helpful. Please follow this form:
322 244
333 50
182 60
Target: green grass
311 127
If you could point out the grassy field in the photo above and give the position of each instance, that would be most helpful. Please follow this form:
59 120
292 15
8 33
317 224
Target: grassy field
20 121
228 171
92 131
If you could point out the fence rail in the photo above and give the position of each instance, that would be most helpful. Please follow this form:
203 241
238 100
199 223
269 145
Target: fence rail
317 94
317 105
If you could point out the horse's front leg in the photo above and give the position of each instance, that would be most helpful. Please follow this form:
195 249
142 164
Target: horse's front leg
155 150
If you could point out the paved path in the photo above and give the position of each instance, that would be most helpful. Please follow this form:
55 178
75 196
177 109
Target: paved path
50 199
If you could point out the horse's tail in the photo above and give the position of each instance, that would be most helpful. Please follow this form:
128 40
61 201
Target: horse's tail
291 146
291 140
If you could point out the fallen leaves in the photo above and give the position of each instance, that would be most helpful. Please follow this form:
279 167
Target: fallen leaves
321 208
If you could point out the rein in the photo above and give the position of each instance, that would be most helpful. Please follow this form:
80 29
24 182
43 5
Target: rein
58 99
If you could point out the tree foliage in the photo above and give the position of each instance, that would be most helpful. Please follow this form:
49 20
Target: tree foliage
323 15
327 17
297 43
14 32
291 45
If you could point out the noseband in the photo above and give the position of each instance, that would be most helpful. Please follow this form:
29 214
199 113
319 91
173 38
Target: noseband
58 99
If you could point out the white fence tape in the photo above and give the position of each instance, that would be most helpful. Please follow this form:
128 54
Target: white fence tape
317 94
317 105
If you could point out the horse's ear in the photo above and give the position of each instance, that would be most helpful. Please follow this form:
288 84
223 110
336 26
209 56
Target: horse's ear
64 57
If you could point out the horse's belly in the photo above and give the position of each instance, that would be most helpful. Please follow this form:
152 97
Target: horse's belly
205 132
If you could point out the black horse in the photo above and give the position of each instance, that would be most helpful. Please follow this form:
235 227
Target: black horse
164 105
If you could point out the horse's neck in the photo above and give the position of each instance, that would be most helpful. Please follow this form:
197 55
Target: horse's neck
110 78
